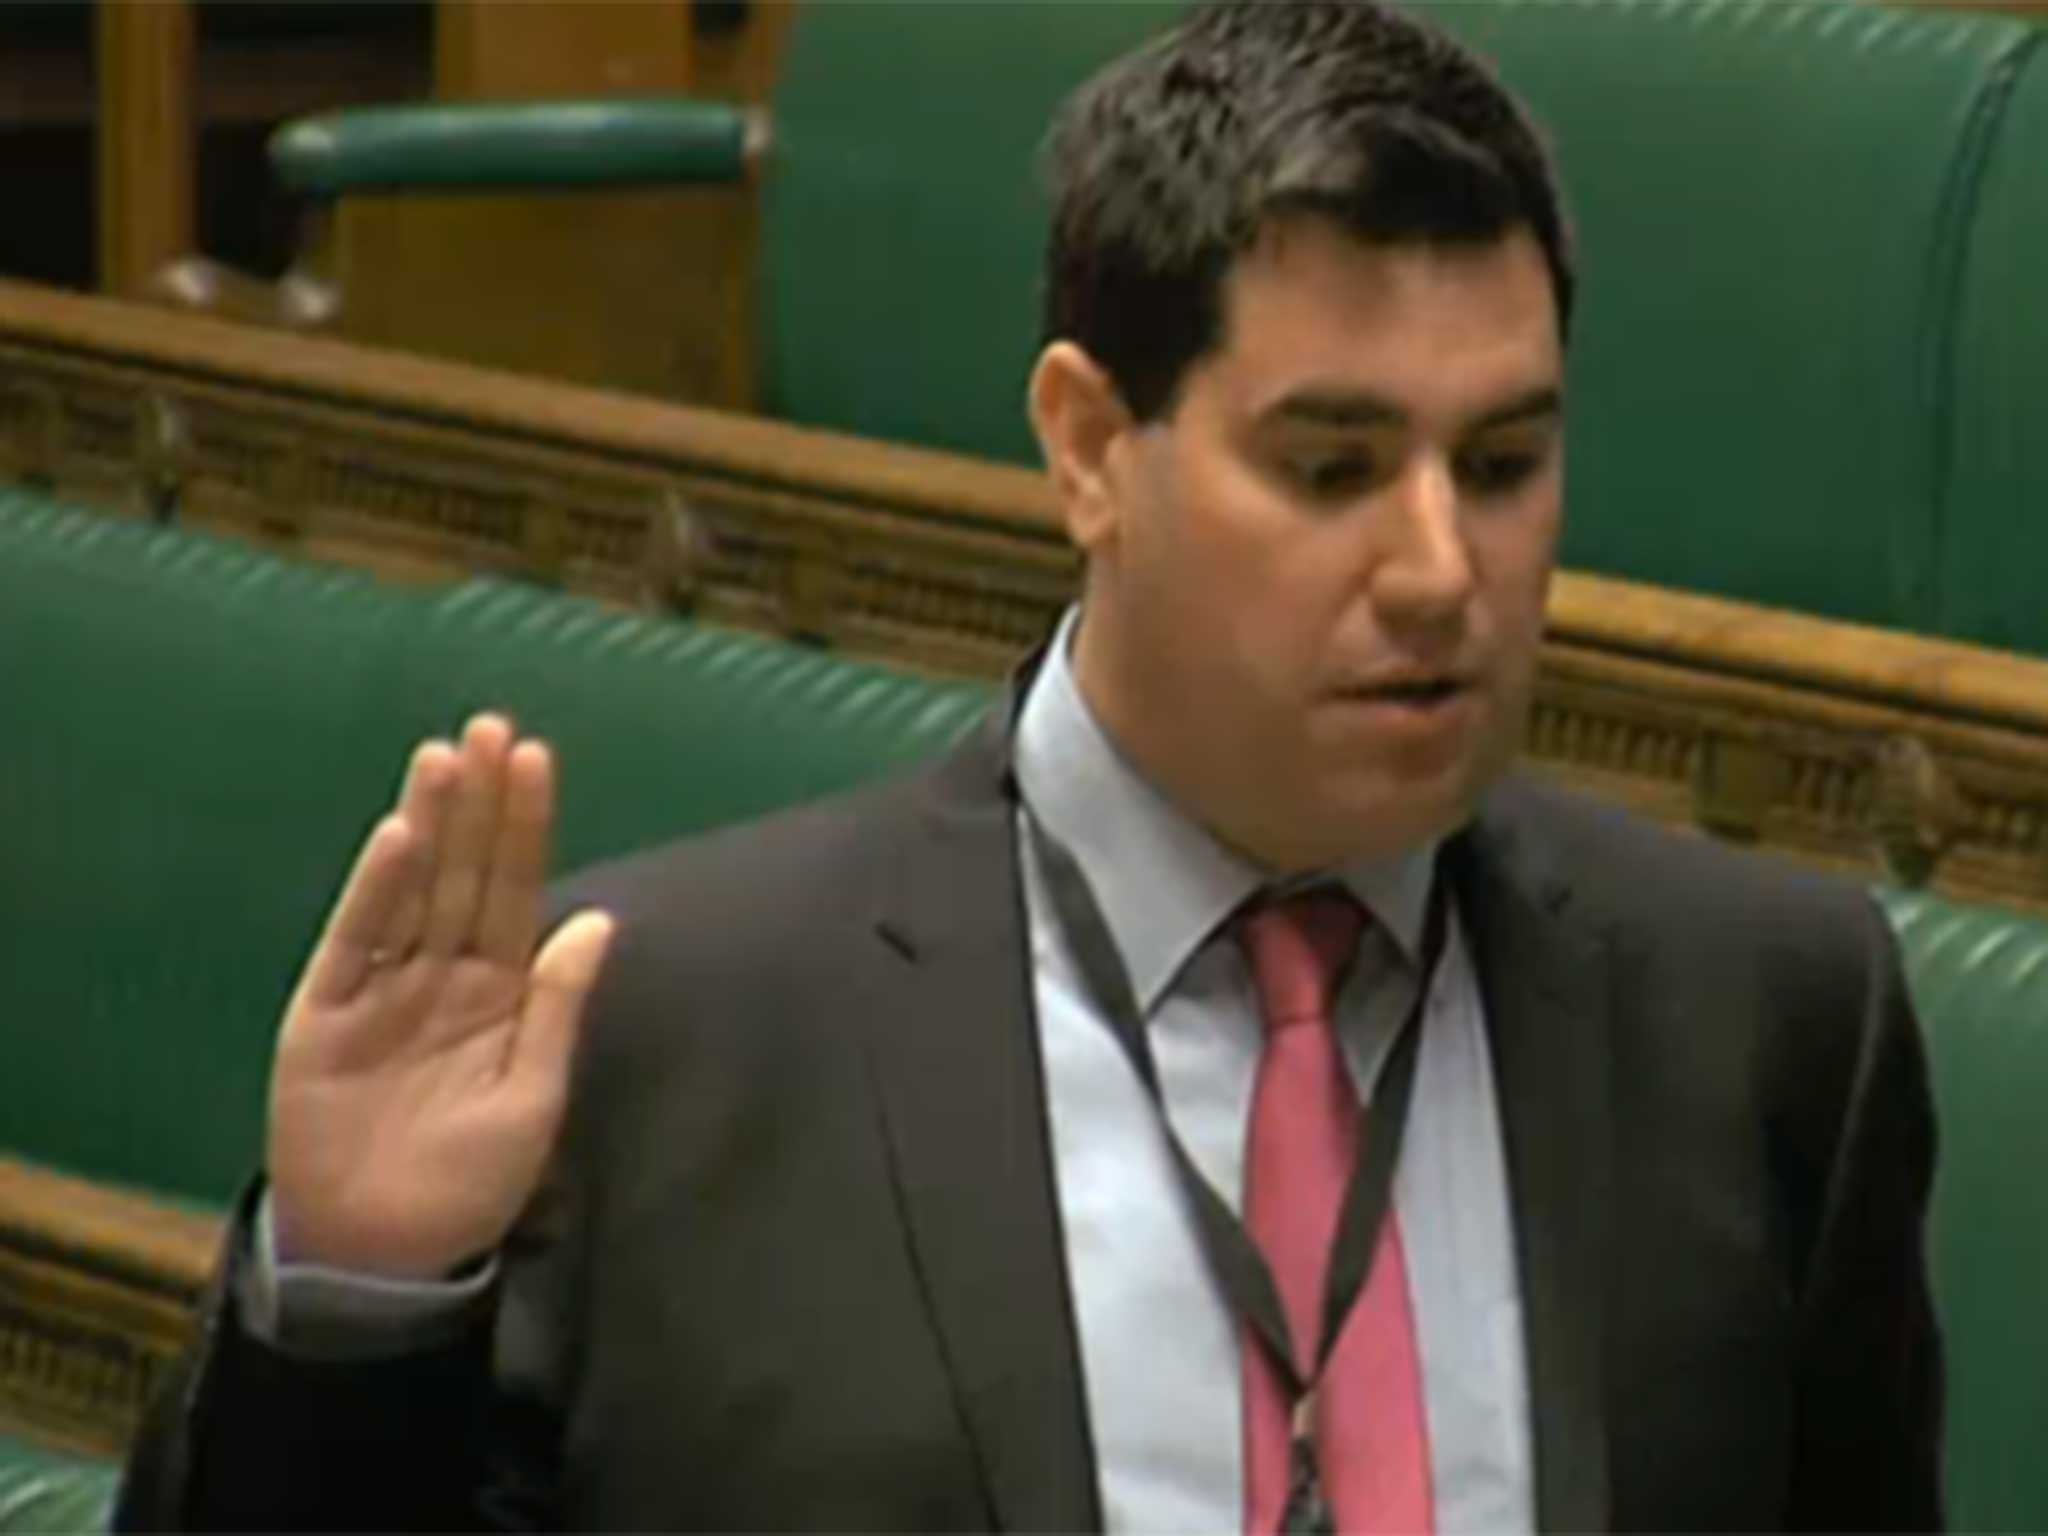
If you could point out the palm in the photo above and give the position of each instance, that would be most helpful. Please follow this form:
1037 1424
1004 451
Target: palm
423 1065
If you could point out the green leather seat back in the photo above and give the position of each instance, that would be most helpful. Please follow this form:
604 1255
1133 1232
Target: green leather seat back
1768 193
194 737
183 769
1766 196
664 728
1980 982
905 220
1995 556
46 1492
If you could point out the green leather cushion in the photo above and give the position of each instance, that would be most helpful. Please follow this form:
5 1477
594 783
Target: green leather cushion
197 736
184 723
1994 568
905 225
47 1492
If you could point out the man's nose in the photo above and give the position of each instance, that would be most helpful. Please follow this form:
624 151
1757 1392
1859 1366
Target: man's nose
1424 573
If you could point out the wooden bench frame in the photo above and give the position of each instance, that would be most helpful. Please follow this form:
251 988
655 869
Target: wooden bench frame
97 1294
1878 754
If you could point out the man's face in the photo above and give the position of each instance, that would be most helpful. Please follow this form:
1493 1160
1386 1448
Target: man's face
1317 590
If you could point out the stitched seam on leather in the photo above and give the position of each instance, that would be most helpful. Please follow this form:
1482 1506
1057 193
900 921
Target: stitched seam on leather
1960 209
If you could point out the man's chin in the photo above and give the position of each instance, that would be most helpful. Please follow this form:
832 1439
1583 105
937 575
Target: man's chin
1389 815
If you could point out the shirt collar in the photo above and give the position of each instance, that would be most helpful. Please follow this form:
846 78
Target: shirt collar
1163 882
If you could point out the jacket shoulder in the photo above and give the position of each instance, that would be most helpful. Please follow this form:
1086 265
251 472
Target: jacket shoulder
767 871
1636 876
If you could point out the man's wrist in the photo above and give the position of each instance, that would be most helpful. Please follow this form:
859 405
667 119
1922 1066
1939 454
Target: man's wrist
316 1312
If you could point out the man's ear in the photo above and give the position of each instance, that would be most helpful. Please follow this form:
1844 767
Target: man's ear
1079 416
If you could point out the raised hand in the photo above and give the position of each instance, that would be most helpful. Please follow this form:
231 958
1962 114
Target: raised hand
423 1064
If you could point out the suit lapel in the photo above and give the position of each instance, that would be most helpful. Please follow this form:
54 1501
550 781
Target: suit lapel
956 1062
1544 976
955 1055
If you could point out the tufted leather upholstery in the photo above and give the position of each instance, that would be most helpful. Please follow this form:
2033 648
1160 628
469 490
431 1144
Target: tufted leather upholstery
1993 553
1980 981
193 736
43 1491
1773 200
196 736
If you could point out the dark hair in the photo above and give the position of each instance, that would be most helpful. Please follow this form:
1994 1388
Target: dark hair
1164 168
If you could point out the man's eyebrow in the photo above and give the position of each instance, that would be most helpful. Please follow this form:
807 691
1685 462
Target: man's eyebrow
1545 400
1335 408
1361 408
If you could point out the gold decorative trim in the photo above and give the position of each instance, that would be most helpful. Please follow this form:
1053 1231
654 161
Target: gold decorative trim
1879 754
97 1295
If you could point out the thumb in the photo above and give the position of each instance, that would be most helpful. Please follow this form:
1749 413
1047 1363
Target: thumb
557 988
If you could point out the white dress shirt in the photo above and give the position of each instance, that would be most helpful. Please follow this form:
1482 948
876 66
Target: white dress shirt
1160 1348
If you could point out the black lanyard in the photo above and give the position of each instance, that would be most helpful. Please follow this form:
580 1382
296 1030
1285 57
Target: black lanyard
1231 1251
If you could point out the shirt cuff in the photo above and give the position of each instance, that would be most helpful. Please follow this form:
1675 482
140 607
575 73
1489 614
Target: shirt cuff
316 1313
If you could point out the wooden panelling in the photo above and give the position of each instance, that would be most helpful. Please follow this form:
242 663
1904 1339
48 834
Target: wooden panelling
97 1291
650 290
249 82
148 143
491 50
1876 753
742 62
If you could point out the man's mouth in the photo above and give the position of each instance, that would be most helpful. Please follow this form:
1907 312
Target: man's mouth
1414 692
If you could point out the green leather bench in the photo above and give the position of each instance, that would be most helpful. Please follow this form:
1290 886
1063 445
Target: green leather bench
42 1491
1774 201
1810 335
1994 555
196 735
200 737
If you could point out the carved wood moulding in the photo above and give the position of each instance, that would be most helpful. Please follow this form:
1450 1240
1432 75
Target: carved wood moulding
97 1294
1883 755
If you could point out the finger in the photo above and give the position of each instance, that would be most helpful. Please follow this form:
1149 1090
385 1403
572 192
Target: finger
559 986
510 920
465 851
388 867
423 805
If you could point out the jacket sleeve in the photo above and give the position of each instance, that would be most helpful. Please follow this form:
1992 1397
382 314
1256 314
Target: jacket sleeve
1868 1411
245 1437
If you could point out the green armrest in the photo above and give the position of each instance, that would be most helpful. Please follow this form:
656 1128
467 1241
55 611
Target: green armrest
483 146
46 1492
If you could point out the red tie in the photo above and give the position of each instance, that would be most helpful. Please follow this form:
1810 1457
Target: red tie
1371 1437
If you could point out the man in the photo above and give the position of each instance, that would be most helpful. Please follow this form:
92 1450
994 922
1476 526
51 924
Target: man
1211 1098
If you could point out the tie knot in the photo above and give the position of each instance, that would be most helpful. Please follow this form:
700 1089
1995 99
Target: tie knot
1298 947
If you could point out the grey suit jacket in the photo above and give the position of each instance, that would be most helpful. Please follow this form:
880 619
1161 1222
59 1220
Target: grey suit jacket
800 1263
